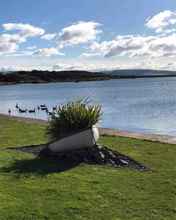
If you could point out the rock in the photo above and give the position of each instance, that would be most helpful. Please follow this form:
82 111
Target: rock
124 162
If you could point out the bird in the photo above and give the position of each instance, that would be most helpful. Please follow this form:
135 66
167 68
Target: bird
31 110
9 111
22 110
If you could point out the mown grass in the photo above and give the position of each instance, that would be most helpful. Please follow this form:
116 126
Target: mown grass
31 188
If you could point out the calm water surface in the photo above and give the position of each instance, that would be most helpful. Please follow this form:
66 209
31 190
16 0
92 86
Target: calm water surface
142 105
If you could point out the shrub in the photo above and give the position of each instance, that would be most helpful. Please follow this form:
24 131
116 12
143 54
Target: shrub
73 117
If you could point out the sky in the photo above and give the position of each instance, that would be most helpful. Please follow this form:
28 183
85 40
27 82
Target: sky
87 34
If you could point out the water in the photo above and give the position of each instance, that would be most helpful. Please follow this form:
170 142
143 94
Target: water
142 105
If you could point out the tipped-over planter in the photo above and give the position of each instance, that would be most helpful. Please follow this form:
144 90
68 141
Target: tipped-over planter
83 139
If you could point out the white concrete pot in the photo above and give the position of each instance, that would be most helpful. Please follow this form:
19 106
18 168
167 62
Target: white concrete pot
83 139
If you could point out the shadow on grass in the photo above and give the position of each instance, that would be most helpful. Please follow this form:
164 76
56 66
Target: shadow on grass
39 166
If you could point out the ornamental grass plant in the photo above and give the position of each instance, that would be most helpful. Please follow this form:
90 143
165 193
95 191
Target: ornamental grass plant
73 117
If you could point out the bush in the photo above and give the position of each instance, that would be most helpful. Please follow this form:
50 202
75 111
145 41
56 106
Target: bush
73 117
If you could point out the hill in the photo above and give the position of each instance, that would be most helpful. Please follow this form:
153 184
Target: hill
39 76
140 73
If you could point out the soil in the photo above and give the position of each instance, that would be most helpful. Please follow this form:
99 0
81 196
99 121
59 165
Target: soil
97 155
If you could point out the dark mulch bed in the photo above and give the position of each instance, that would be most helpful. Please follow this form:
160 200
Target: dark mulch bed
100 155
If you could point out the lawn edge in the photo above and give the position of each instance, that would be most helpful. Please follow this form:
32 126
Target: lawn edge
167 139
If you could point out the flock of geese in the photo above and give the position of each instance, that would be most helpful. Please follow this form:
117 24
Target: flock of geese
34 110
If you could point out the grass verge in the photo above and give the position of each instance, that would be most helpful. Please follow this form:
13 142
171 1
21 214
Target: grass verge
31 189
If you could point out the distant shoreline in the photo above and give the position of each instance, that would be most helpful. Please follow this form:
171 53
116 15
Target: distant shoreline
39 77
84 80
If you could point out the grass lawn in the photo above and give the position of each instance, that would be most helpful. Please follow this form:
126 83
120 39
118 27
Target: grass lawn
31 189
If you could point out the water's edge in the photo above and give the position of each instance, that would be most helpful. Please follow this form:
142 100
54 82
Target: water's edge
109 132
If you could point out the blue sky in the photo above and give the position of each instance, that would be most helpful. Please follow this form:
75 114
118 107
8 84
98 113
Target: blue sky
87 34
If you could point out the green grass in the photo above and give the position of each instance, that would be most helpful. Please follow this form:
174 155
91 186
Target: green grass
31 189
14 133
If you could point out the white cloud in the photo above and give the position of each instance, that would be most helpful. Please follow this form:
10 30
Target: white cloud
164 46
162 21
90 55
137 51
47 52
78 33
161 45
137 46
20 53
68 66
12 38
31 47
6 47
25 30
77 65
119 46
49 36
9 43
